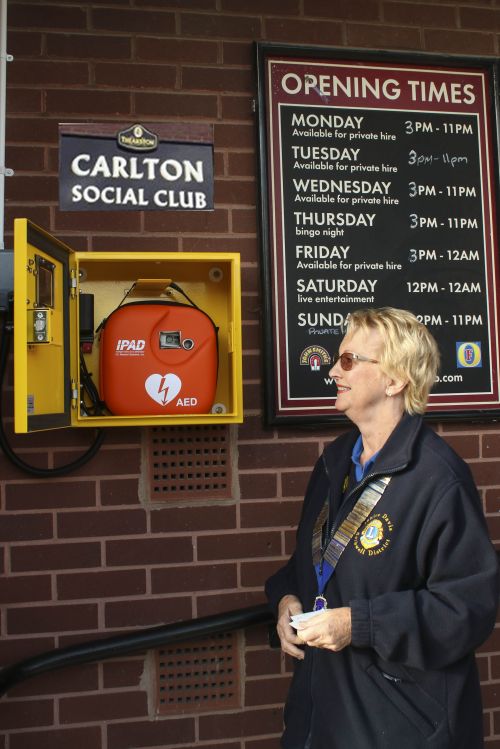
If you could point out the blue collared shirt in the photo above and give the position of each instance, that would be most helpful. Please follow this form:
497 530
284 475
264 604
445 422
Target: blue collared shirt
361 470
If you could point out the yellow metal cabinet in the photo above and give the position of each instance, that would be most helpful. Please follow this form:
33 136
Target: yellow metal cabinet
49 278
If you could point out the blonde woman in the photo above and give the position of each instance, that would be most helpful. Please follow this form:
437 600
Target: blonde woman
393 555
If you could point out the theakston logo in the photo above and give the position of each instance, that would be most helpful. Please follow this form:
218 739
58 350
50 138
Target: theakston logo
137 138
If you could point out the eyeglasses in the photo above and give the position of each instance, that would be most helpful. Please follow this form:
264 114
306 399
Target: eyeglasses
347 359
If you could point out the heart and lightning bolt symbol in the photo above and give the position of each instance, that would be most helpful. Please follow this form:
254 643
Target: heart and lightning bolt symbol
163 388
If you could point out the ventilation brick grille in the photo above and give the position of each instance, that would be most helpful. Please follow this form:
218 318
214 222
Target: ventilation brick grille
189 462
199 676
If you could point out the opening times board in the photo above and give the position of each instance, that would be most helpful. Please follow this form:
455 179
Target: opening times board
380 182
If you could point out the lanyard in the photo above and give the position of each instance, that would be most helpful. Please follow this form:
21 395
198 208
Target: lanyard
327 559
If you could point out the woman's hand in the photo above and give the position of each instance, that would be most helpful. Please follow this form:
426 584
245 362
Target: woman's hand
289 606
330 630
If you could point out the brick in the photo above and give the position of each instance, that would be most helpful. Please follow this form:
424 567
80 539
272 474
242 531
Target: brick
193 519
119 491
244 221
57 495
122 673
149 551
237 53
243 165
467 445
93 221
217 604
239 545
55 556
48 73
269 743
187 221
262 662
480 18
25 589
286 7
33 188
13 649
30 528
252 395
495 667
255 574
135 21
251 310
58 738
234 136
101 584
491 695
23 101
362 10
77 102
483 666
266 691
459 42
289 542
25 42
216 79
102 523
252 364
147 613
136 244
88 46
389 37
490 444
494 527
25 158
105 707
82 678
277 454
57 16
248 723
235 192
133 75
219 26
105 462
258 486
177 104
176 50
150 733
20 130
294 484
18 714
54 618
485 473
269 514
304 31
183 4
194 578
420 14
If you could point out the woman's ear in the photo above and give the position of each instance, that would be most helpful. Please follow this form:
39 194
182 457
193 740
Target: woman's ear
395 386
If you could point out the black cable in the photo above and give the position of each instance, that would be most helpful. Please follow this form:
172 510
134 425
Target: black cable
6 333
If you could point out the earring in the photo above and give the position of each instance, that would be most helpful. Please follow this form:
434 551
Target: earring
388 393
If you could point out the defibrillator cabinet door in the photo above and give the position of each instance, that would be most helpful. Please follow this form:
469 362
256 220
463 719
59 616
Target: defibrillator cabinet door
42 289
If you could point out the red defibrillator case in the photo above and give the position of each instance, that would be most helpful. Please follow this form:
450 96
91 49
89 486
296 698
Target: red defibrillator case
158 357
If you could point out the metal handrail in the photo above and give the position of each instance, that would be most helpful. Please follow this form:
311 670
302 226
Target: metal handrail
132 642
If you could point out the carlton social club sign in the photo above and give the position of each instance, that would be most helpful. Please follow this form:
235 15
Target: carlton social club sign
108 167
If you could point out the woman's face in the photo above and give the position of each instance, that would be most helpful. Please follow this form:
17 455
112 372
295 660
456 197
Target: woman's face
361 391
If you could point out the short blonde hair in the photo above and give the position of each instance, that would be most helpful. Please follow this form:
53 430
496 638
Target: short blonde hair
409 351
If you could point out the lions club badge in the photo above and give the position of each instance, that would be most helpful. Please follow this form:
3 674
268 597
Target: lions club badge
375 536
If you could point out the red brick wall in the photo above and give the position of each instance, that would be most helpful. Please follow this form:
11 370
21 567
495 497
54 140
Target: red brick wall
83 556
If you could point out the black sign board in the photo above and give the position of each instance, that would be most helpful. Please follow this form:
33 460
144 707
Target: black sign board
379 184
135 168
